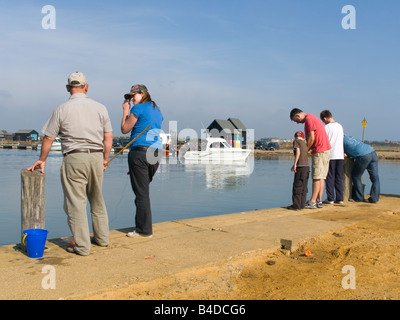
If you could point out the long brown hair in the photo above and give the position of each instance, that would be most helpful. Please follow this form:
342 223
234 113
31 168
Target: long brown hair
147 98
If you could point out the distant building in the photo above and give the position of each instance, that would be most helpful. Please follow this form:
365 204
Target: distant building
232 130
4 135
26 135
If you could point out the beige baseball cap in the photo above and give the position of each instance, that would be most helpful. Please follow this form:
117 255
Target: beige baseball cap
76 79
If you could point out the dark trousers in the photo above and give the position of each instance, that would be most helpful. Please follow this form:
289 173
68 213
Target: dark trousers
143 164
334 180
299 193
368 162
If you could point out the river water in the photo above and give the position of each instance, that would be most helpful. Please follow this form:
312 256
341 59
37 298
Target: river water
178 191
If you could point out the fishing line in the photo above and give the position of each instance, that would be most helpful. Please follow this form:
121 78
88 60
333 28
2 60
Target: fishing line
120 152
116 214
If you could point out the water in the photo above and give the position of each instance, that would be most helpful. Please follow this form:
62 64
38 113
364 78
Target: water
178 191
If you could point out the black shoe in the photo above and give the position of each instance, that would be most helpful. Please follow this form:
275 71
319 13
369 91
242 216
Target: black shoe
291 208
352 200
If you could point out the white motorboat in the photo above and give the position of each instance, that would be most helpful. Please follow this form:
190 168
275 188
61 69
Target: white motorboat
217 150
56 146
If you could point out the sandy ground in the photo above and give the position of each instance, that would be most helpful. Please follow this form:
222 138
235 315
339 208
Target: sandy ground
361 261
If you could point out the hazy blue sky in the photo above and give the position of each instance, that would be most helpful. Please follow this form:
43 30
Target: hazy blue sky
206 60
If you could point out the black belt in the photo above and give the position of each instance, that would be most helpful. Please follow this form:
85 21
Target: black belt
83 151
141 148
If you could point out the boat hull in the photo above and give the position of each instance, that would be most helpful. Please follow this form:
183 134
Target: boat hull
56 146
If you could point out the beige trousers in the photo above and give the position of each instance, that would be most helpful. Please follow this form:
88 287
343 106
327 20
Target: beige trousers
82 180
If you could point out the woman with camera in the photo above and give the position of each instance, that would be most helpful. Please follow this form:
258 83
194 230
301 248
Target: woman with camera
144 154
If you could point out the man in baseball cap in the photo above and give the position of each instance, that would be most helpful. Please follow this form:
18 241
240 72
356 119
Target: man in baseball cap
76 79
84 127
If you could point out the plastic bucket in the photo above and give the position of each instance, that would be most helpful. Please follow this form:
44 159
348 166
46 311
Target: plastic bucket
35 240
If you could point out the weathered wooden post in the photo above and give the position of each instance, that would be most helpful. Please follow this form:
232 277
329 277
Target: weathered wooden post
32 201
347 183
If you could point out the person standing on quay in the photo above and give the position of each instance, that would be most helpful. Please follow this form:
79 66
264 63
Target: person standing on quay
365 158
318 142
84 128
144 154
334 179
301 171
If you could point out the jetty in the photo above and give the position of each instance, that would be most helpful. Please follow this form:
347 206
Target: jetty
176 247
18 146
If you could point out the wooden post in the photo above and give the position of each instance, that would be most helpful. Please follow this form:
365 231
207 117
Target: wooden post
347 183
32 201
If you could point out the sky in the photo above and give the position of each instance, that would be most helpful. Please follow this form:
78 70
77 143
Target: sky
203 60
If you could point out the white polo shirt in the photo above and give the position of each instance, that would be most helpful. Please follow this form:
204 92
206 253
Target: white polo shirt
80 123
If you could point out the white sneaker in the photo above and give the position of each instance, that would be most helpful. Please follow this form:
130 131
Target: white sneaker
134 234
328 202
311 205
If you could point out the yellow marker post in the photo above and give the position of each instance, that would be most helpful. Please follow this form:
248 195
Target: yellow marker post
363 125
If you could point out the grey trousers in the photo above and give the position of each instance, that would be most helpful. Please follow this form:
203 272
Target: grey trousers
82 180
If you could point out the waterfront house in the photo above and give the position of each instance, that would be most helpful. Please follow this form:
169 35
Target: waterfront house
232 130
26 135
5 136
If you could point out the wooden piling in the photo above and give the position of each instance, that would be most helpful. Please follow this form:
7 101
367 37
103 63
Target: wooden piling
347 183
32 201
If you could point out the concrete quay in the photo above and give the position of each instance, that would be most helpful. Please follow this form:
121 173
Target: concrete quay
175 246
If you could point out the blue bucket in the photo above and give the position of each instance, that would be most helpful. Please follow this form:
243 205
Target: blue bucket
35 240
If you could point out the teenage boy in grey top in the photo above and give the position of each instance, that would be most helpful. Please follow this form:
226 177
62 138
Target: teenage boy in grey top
86 135
301 171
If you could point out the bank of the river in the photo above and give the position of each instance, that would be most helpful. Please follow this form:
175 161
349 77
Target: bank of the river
383 153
